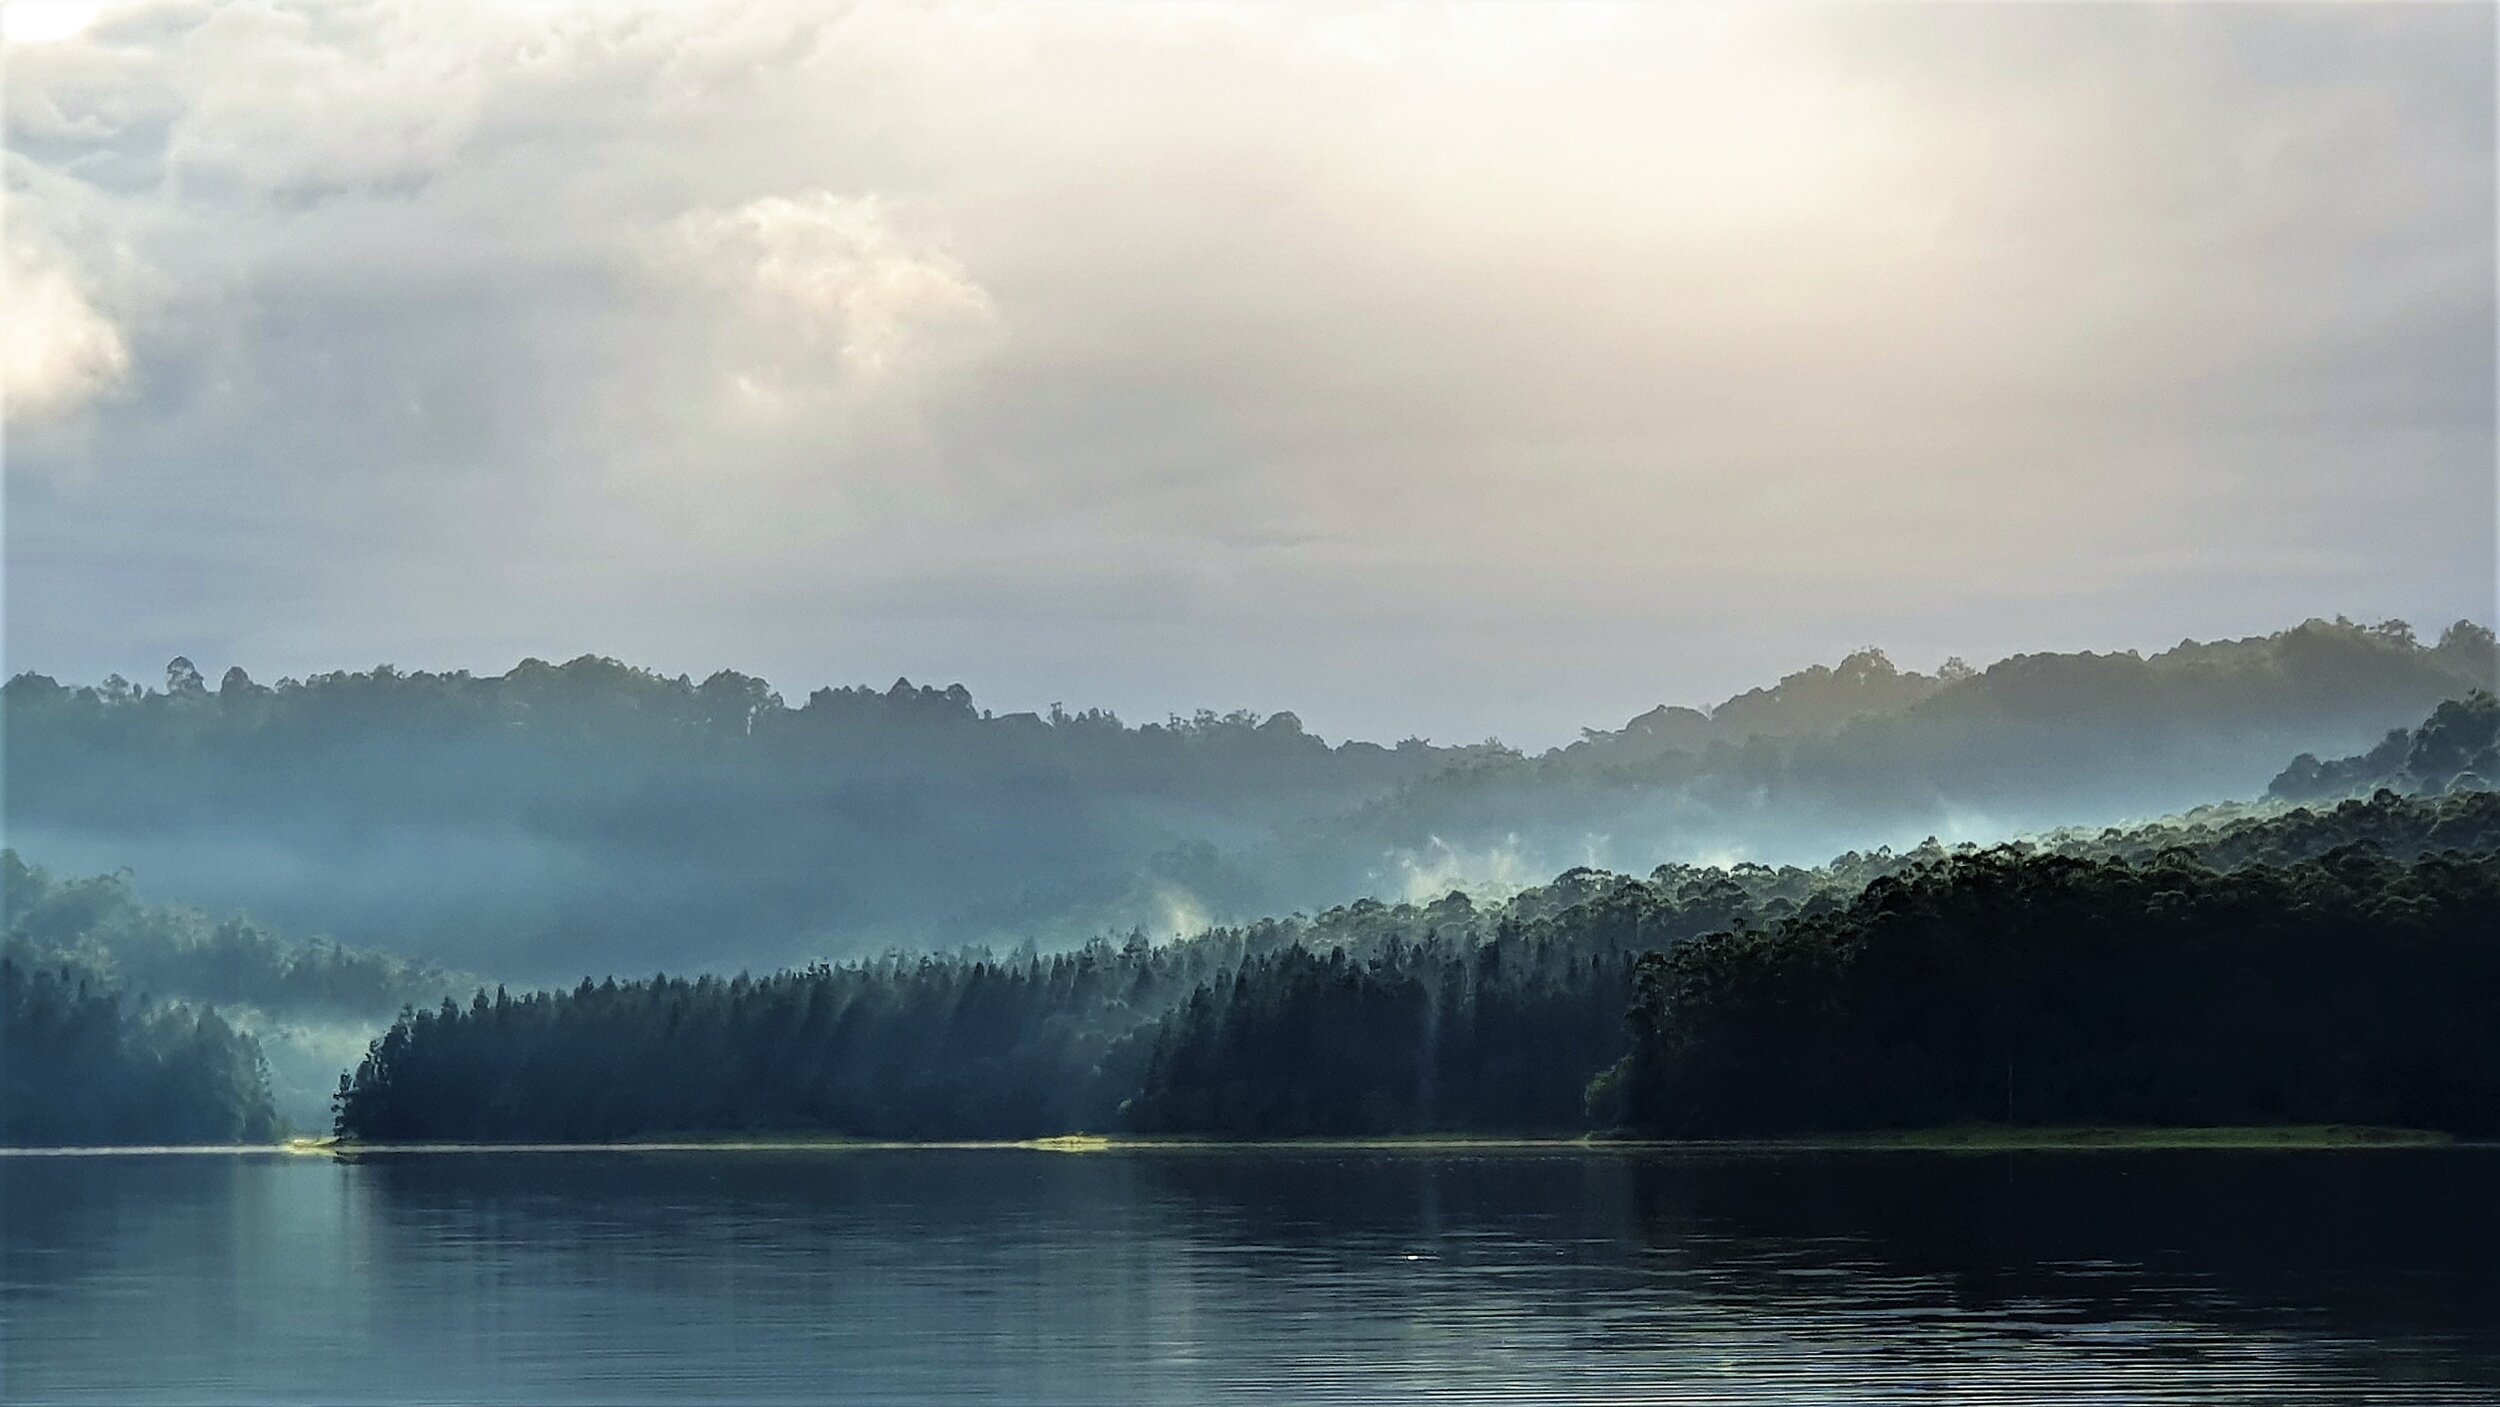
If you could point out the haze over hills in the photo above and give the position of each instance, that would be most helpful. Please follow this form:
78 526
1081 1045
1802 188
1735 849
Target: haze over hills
592 816
2456 748
241 996
2030 743
130 1019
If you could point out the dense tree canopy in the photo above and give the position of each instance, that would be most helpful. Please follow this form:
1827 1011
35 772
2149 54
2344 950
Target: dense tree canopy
898 1048
1368 1018
83 1065
1498 1037
1503 1029
309 1004
2350 988
561 816
2456 749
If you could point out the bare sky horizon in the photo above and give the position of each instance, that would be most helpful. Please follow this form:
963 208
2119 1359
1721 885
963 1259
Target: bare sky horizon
1456 371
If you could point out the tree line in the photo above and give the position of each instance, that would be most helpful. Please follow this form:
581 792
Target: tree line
513 822
2349 988
521 823
2029 743
1456 1015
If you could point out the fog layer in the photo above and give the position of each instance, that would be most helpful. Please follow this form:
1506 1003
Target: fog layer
591 817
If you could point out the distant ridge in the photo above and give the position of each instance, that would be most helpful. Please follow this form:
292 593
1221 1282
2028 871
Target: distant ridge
558 817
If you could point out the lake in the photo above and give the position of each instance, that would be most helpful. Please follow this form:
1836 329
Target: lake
1021 1276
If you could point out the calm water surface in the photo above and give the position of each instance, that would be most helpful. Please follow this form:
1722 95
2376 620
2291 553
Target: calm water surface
1030 1277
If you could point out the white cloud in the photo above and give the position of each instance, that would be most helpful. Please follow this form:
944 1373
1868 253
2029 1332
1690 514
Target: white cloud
58 354
1652 349
310 102
821 288
46 21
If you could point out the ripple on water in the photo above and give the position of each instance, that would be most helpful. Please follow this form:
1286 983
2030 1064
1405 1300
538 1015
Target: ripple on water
999 1276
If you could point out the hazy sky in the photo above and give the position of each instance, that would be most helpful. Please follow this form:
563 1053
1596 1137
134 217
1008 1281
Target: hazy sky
1454 370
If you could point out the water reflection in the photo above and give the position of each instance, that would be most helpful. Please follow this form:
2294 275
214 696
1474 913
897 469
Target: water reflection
1030 1277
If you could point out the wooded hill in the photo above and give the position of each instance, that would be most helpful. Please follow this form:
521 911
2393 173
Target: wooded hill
1377 1018
590 815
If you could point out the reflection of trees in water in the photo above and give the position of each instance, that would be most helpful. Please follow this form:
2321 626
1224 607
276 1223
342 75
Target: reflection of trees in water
2394 1246
654 1218
2386 1243
2357 1266
1275 1195
2372 1264
67 1219
59 1216
588 1188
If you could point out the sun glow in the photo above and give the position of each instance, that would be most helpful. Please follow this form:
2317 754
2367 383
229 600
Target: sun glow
46 21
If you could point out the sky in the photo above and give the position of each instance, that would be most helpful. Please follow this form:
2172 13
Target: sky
1450 371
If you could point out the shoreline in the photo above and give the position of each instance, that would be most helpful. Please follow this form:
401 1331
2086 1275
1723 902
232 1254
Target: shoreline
1980 1138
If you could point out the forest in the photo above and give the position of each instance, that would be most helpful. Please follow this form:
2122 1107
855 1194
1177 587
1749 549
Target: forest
2351 988
100 924
82 1064
1492 1012
559 817
302 1006
1454 1015
2456 749
2029 744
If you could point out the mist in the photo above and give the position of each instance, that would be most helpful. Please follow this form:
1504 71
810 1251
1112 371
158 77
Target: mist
947 700
590 817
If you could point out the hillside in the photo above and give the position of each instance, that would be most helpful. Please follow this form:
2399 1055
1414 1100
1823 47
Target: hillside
2456 749
592 816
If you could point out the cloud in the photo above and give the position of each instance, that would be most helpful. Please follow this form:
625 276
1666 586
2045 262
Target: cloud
25 22
821 288
1282 356
58 354
308 103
